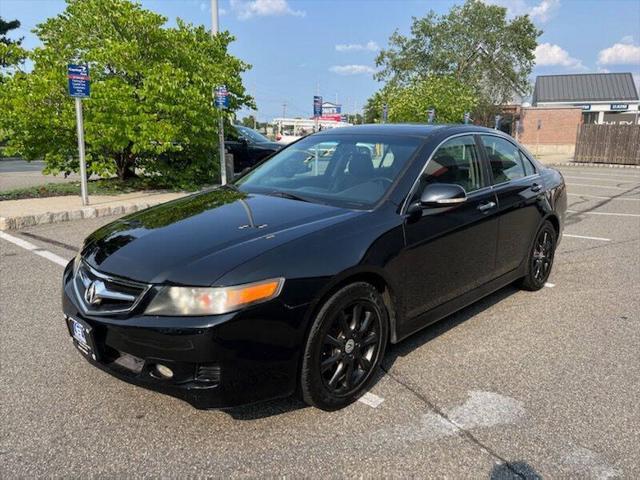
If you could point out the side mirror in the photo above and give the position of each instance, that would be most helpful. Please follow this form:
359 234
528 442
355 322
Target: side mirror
439 195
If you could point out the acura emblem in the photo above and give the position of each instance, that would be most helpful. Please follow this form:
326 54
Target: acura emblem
90 294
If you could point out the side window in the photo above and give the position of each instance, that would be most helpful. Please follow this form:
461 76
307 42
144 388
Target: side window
456 161
529 169
504 157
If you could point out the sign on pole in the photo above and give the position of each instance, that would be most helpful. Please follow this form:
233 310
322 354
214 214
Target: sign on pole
317 106
498 120
221 101
385 113
467 118
78 76
431 115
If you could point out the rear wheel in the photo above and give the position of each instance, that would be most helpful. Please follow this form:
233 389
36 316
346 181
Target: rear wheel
345 347
540 258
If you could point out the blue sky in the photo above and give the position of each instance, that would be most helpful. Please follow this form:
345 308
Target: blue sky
297 45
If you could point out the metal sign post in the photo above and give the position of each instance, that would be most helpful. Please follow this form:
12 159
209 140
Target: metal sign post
431 115
78 76
385 113
467 118
317 110
222 102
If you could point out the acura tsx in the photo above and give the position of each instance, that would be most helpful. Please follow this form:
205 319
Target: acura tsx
295 277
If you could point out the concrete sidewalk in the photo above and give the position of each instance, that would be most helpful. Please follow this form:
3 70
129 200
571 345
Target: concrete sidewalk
17 214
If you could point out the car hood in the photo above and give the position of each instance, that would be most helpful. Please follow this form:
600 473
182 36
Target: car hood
270 145
196 239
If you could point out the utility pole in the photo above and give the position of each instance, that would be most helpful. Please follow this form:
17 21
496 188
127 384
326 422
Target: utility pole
215 27
284 110
214 17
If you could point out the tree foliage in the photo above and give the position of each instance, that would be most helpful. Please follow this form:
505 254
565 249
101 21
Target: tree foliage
11 52
474 43
411 103
151 93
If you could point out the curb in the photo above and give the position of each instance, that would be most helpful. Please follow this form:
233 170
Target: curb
18 222
595 165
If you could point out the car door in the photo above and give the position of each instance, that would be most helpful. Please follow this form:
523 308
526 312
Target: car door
451 250
518 188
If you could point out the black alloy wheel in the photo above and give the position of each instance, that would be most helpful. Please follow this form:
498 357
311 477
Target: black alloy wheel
541 258
345 347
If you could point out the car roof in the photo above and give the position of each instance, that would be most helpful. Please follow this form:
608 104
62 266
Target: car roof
410 129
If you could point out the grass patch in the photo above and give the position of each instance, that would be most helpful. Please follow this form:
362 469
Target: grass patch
107 186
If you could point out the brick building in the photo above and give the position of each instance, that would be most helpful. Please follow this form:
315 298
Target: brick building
549 130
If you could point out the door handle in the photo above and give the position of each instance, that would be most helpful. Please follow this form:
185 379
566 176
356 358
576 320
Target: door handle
483 207
536 187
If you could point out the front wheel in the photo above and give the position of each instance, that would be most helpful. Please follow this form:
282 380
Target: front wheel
345 347
540 258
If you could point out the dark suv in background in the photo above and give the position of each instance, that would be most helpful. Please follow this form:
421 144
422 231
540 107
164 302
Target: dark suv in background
248 147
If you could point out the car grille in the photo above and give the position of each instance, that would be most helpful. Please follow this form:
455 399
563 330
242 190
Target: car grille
101 294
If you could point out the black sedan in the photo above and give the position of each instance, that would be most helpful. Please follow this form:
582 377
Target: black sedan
297 276
248 147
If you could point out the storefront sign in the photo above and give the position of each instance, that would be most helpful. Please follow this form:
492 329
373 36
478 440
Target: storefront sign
619 106
584 106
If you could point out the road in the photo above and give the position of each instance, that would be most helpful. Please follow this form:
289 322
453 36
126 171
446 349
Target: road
519 385
15 173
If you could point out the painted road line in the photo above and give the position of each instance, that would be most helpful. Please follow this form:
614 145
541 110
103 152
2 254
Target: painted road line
592 174
611 214
52 257
371 399
596 186
600 239
549 285
617 180
603 197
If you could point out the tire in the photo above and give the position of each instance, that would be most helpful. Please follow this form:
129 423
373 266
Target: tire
540 258
345 347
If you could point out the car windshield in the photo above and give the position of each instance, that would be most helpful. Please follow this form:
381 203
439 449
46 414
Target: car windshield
338 169
251 134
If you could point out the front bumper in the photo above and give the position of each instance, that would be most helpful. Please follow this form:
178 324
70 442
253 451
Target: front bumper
217 361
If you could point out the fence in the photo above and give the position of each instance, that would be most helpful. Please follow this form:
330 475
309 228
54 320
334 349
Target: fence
608 144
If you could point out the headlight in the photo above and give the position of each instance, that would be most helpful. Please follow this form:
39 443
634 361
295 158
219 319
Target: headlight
187 301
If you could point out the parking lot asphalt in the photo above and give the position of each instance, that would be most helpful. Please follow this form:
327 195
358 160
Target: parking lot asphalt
518 385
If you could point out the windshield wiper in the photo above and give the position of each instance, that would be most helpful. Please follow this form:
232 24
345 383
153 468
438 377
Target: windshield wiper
291 196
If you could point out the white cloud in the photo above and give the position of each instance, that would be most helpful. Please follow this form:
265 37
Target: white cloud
371 46
352 69
544 10
541 11
246 9
624 53
548 54
627 39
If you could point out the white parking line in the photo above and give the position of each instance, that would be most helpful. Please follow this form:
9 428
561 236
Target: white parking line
371 399
52 257
603 197
601 239
606 213
549 285
595 186
594 174
601 179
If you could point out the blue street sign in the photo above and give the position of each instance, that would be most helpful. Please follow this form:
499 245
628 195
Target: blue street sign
431 115
385 113
78 76
222 97
317 106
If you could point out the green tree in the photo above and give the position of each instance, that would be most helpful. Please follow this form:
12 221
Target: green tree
475 44
151 94
11 52
249 121
411 103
